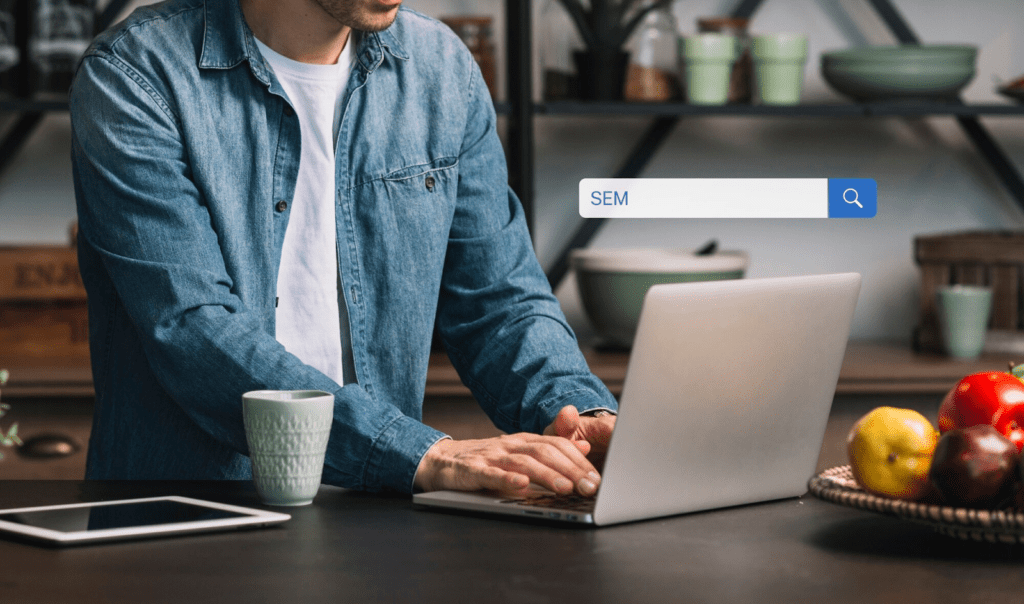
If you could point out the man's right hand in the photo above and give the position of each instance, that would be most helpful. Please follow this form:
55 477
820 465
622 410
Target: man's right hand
508 463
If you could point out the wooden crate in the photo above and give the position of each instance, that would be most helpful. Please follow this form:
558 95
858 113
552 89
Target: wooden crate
991 258
43 312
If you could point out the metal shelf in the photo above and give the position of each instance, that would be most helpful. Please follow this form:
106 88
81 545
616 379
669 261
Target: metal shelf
13 105
560 108
888 109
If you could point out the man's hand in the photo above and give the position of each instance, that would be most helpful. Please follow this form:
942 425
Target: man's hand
507 463
596 431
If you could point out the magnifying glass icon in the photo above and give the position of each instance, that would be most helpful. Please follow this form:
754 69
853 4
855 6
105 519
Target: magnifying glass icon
854 200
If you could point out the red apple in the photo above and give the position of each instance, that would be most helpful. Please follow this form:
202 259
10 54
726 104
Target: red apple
991 397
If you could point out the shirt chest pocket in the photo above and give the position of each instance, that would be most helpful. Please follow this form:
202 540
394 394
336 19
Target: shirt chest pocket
427 178
421 198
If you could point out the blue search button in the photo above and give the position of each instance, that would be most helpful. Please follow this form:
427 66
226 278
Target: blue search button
852 198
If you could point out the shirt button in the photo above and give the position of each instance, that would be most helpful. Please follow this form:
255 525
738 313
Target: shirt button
281 206
288 110
430 183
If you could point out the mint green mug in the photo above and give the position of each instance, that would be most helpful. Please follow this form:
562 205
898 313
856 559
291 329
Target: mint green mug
963 312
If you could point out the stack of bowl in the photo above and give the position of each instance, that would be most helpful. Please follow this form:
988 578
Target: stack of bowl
878 73
612 282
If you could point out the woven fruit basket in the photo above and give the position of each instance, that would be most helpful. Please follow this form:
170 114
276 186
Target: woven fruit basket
995 526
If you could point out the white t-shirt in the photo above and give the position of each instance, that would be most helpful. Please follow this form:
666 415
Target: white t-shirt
312 322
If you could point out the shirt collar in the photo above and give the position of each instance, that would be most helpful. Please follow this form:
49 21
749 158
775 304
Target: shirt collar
227 41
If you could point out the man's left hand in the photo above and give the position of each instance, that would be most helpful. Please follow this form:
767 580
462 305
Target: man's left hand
594 430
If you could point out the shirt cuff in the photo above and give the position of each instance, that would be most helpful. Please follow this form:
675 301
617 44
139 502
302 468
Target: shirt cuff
584 401
396 454
412 487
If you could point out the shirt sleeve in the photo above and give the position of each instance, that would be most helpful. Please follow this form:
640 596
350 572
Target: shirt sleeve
502 326
142 214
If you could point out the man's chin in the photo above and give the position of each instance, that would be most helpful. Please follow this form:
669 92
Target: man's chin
378 21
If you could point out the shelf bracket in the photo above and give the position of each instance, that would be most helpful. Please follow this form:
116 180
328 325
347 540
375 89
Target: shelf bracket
971 125
997 158
745 9
633 166
635 163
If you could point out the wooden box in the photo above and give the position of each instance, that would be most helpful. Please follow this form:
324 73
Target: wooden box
42 304
991 258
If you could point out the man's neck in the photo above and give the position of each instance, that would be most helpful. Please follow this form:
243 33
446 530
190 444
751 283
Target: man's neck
298 29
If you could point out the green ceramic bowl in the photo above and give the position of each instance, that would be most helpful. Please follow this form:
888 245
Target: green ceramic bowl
612 282
907 53
877 73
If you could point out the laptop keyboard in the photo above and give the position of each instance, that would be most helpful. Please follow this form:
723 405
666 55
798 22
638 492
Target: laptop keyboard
576 503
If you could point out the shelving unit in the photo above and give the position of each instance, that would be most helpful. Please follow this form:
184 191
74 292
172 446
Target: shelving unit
521 111
666 115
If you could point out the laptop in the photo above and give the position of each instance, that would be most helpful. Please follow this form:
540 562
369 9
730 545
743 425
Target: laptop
727 394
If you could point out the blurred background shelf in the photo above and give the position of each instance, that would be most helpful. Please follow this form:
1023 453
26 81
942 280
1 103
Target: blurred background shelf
869 368
47 378
890 109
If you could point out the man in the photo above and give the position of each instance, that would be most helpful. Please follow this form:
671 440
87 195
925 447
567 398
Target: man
284 194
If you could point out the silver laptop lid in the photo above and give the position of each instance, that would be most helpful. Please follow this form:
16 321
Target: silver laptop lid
727 394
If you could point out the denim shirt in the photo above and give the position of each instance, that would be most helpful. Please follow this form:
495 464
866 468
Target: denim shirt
185 156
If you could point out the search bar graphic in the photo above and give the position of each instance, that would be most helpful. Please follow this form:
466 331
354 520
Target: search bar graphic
728 198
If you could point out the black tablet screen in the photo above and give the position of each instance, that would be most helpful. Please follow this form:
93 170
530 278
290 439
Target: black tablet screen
119 515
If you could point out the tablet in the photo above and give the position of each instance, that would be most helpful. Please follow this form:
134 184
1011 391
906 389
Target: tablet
79 523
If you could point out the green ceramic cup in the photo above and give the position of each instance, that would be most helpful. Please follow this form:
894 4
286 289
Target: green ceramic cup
963 312
779 64
287 432
709 58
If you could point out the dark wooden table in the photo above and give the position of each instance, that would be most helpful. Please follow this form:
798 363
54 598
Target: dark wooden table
354 547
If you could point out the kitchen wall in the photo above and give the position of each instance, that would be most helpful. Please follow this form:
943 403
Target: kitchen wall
929 177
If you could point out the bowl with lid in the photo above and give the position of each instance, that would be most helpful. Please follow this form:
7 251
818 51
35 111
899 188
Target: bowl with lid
612 282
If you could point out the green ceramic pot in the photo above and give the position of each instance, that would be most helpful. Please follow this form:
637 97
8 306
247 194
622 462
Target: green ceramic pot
779 64
612 282
709 59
